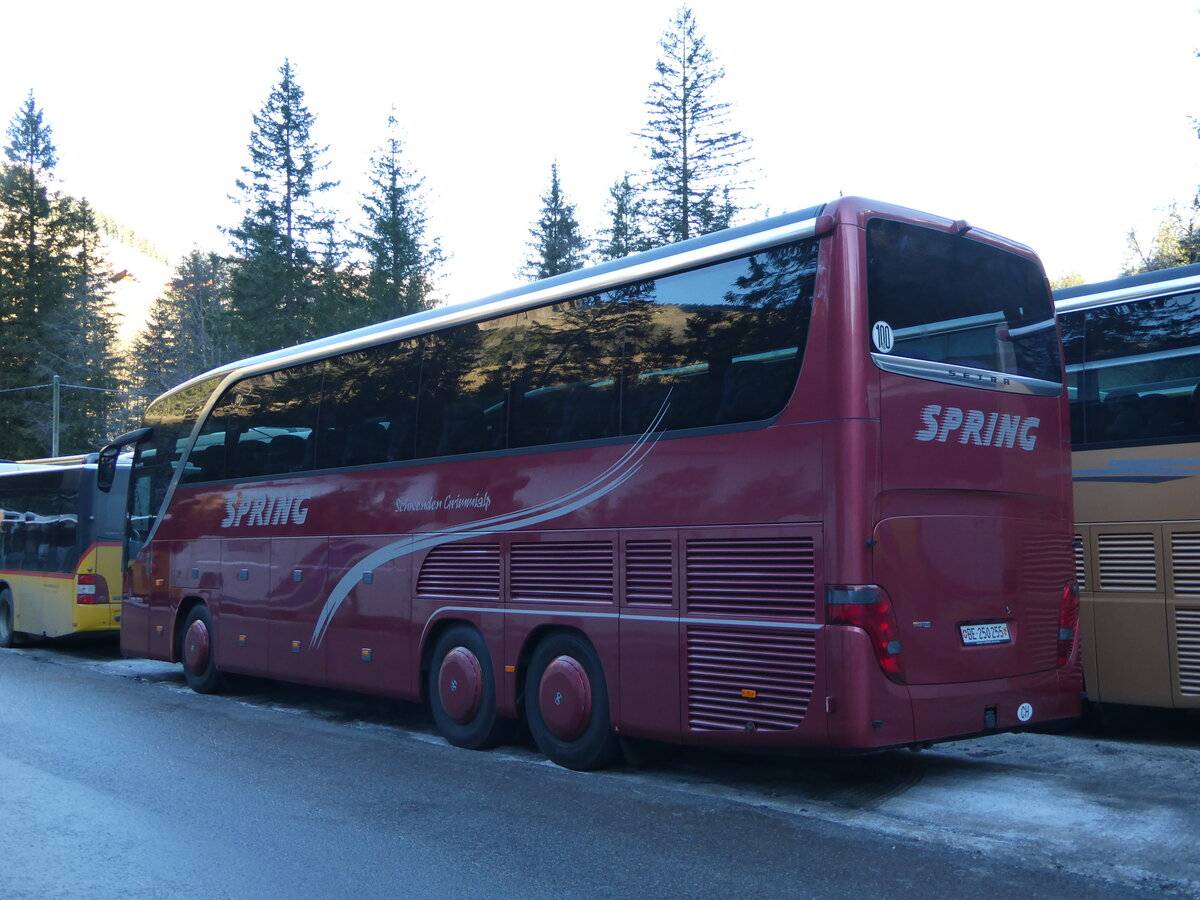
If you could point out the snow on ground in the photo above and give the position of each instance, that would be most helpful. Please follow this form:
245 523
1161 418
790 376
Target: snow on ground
1111 805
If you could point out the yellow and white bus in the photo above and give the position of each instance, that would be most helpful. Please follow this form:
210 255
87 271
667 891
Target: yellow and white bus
1132 349
61 545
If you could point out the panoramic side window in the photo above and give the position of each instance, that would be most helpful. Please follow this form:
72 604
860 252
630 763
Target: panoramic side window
970 309
567 372
369 406
264 425
718 345
463 400
1134 370
40 522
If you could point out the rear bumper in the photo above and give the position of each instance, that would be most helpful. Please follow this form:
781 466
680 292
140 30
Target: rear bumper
943 712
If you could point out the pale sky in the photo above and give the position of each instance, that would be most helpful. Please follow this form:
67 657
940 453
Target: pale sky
1059 123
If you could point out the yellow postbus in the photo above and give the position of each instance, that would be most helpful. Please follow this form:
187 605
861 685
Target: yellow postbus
61 544
1132 349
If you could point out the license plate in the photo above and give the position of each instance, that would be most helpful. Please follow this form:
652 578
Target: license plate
974 635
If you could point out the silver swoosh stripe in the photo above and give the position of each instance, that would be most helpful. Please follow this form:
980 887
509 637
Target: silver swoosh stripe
608 480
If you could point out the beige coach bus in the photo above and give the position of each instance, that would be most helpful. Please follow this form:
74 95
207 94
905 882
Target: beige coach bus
1132 349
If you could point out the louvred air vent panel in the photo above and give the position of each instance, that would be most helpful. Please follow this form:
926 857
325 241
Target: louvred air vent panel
1080 566
752 577
1187 632
649 573
576 571
461 572
1127 562
739 678
1185 562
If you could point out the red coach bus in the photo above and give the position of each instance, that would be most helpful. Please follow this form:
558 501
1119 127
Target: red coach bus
803 483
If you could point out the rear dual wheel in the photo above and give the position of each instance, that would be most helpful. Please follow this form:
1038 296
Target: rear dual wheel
566 703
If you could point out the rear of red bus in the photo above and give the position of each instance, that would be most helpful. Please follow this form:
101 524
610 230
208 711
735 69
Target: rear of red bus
950 604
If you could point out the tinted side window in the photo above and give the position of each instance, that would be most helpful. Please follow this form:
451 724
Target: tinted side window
463 399
263 425
567 372
40 524
369 406
1133 370
718 345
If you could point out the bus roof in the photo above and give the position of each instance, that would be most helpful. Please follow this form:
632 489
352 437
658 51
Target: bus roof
649 264
1128 287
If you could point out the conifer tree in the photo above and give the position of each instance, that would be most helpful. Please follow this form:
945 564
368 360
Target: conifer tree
274 298
187 331
626 232
32 274
695 156
558 243
56 314
402 261
80 338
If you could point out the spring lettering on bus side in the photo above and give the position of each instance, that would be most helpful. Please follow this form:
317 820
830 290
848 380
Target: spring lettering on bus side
266 508
973 426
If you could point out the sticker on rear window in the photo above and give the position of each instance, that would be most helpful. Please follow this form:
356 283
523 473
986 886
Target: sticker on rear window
881 334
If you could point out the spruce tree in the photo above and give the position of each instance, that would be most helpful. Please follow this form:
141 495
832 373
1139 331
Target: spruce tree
275 297
695 156
80 339
186 332
558 243
626 232
401 260
32 277
55 319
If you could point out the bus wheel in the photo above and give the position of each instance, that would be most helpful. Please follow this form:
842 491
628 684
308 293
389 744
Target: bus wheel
566 703
462 689
7 635
196 652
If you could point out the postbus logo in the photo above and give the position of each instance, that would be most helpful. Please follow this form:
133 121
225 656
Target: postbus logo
973 426
265 508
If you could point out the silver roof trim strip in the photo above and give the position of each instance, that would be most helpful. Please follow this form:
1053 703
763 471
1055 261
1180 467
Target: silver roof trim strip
487 308
1134 292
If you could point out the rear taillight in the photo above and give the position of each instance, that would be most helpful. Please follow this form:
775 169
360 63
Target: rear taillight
1068 622
867 606
90 589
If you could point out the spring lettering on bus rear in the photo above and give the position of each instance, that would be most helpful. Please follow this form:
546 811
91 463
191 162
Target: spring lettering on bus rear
973 426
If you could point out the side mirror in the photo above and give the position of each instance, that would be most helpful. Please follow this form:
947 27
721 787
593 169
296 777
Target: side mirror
106 464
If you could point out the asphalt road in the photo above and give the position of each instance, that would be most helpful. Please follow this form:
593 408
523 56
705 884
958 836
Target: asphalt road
119 782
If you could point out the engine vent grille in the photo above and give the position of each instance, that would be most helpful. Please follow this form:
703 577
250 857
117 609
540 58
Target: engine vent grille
1080 565
1185 562
742 680
461 572
649 573
575 571
1187 632
752 576
1126 562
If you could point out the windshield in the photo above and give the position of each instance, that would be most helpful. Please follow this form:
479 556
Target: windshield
950 308
172 417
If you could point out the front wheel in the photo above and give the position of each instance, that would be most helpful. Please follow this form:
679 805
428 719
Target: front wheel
197 654
462 689
7 635
566 703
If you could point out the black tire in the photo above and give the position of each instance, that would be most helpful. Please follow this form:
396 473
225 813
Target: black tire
8 637
198 654
572 726
462 689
